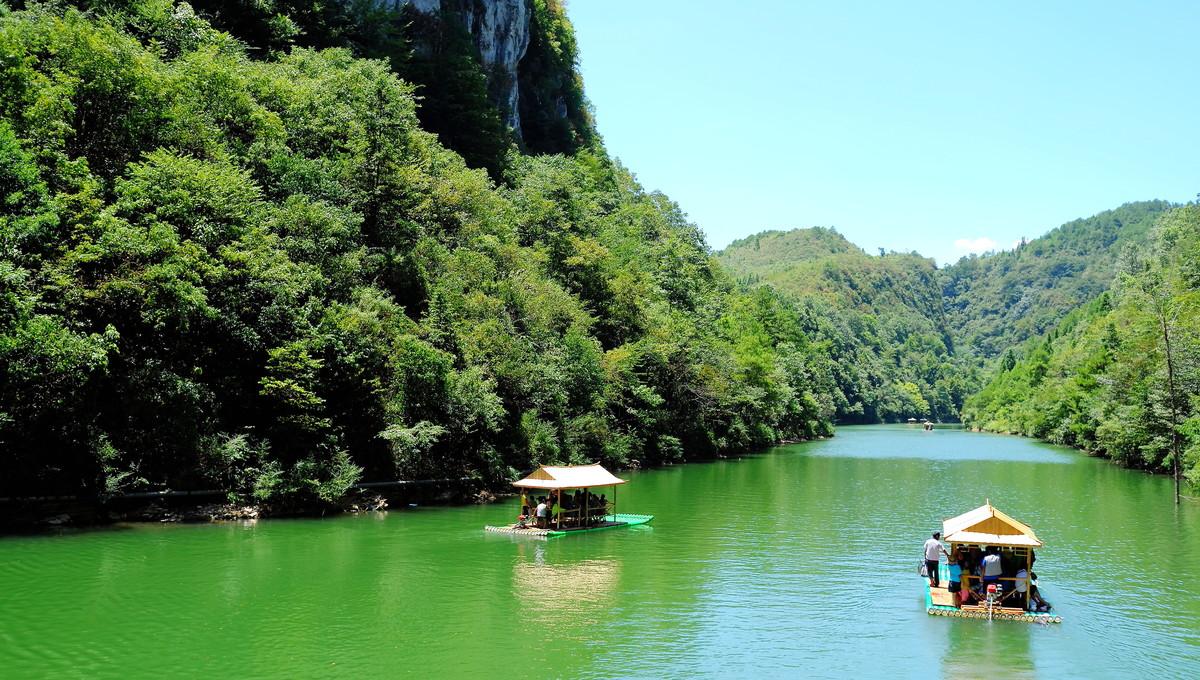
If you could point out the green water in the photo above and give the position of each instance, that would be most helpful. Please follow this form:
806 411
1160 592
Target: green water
796 562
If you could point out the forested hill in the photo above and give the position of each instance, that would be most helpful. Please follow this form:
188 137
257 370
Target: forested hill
880 318
1101 380
260 274
491 75
907 327
997 301
258 262
821 262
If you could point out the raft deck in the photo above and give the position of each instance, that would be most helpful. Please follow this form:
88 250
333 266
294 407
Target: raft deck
610 522
940 602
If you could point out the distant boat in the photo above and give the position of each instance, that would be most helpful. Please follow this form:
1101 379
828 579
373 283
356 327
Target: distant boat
970 535
588 514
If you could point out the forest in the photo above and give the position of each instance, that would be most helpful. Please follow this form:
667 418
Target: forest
262 275
280 249
880 318
1120 376
1063 338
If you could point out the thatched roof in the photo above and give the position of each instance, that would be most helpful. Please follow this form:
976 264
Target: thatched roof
986 525
568 477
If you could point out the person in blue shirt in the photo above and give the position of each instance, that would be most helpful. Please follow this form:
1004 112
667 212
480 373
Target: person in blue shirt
955 571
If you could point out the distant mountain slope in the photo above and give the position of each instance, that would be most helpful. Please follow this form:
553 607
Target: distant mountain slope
771 250
896 320
880 317
821 262
998 301
1099 379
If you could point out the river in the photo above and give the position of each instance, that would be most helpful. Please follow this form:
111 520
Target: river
797 561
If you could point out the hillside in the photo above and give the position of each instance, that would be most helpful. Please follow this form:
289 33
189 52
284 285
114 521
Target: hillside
895 320
771 251
262 275
881 318
997 301
492 76
1099 380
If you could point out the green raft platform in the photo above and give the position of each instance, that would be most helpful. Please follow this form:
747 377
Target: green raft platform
573 513
618 521
997 614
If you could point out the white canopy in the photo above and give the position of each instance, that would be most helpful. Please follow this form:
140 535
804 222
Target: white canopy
568 477
986 525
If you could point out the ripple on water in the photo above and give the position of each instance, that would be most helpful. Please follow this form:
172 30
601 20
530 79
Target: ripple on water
794 563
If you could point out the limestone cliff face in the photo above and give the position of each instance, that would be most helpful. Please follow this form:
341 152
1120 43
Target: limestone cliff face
501 32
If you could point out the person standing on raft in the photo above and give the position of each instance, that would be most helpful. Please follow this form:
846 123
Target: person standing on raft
933 553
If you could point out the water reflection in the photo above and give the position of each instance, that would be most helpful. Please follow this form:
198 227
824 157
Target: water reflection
797 563
987 649
545 587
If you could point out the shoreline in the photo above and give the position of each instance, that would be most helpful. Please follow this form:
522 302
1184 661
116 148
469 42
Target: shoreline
51 514
1090 454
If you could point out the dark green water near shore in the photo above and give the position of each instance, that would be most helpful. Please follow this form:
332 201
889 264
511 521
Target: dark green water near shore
799 561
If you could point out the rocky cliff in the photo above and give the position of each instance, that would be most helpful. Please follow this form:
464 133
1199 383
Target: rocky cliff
501 30
526 51
481 68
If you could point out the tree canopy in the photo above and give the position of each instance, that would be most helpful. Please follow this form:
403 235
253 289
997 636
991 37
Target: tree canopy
1099 380
263 275
254 262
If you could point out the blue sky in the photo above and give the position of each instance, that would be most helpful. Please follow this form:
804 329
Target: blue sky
905 125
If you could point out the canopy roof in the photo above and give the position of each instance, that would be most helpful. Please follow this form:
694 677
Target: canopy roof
986 525
568 477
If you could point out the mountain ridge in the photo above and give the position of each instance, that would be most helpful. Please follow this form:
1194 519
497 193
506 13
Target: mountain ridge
810 260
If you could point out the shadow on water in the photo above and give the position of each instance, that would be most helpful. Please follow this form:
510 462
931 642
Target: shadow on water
27 531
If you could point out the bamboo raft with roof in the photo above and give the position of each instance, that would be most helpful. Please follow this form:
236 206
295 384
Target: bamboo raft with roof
583 517
971 534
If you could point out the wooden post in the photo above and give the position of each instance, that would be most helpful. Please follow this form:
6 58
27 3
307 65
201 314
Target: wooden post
614 503
587 515
1028 576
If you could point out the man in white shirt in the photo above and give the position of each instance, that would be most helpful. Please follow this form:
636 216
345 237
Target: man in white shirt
933 554
1021 585
992 567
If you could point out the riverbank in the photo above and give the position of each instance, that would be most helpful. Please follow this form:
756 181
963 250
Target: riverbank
52 514
19 515
1101 455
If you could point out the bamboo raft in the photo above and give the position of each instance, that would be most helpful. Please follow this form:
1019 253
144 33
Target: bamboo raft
586 513
972 532
617 521
981 612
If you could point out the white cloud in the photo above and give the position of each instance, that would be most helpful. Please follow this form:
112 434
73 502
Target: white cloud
974 245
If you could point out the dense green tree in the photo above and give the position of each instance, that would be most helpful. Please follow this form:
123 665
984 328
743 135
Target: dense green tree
880 319
997 301
264 275
1119 376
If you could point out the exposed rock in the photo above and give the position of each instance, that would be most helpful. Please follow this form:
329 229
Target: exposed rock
501 32
363 501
